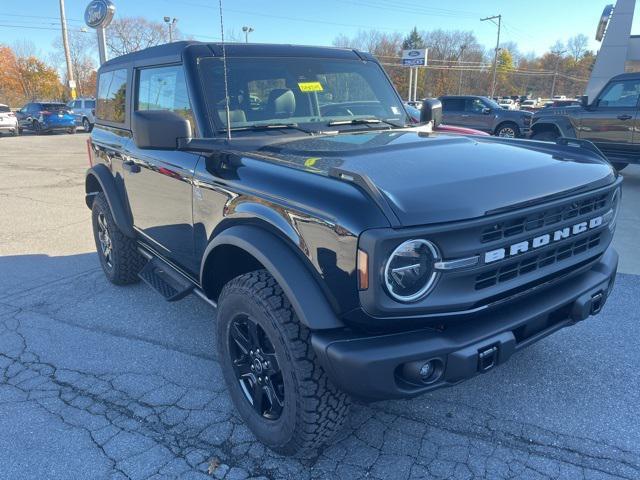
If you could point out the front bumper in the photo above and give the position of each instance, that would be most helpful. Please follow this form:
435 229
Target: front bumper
371 367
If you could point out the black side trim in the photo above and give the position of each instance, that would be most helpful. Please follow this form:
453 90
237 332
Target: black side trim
120 215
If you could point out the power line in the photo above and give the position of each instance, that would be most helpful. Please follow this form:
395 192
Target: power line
38 28
39 16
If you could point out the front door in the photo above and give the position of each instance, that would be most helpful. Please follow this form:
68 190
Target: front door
609 121
478 115
159 182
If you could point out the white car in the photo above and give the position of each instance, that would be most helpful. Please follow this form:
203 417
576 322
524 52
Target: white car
8 121
508 104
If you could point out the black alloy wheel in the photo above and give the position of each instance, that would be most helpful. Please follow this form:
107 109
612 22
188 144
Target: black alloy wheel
256 367
104 238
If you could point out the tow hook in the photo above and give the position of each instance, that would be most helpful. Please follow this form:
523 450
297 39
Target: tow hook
487 358
596 303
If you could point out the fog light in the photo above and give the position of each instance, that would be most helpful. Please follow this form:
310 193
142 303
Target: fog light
423 372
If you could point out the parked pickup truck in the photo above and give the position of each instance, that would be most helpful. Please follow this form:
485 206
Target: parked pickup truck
610 121
482 113
349 253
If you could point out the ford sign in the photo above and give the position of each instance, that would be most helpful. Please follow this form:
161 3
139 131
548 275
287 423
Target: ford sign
414 57
99 13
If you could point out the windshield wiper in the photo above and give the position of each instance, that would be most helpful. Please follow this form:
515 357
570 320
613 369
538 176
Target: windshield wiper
363 121
271 126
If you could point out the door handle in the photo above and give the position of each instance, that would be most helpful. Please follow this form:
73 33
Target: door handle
131 166
625 117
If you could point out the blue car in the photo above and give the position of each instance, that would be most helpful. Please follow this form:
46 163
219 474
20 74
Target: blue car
46 117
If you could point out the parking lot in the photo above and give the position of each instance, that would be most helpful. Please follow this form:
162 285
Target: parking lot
101 381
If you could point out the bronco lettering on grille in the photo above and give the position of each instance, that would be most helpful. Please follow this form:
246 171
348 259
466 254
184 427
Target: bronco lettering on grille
541 240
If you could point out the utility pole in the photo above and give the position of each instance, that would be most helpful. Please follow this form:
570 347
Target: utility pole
558 53
171 24
495 56
247 31
462 49
67 54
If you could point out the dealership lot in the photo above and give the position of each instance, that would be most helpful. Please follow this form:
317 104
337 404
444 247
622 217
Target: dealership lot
106 382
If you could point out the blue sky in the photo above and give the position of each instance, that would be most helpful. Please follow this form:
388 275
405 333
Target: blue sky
533 25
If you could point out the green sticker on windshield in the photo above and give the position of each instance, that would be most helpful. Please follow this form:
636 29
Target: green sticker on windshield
310 86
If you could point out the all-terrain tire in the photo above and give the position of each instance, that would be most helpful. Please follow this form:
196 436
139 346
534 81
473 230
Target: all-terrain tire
314 409
124 262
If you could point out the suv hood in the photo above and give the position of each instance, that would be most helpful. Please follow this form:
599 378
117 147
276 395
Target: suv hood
432 178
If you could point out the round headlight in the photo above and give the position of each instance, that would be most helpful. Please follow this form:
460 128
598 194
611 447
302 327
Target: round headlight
409 273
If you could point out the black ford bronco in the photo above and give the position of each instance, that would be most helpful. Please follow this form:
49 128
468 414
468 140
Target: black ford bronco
349 253
610 121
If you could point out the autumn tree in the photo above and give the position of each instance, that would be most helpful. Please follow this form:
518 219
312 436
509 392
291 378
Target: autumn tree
11 91
130 34
39 81
25 78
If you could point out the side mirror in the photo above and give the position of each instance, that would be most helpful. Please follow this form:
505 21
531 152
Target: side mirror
584 100
431 111
159 129
486 111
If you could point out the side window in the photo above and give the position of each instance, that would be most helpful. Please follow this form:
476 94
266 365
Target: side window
89 104
620 94
164 88
451 105
112 95
474 105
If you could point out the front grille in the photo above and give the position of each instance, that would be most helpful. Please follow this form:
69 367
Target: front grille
516 226
530 264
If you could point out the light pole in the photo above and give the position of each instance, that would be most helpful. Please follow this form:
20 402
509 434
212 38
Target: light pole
67 54
495 56
172 23
247 30
462 49
558 53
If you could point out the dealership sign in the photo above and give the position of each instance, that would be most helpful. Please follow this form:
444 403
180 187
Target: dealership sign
414 57
99 13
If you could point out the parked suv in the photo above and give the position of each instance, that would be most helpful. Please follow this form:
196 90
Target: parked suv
610 121
83 111
42 117
8 121
349 253
484 114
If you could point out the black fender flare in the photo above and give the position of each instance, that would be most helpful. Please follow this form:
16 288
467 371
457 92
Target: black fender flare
562 124
302 289
105 179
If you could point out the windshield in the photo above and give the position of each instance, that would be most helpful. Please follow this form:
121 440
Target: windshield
306 92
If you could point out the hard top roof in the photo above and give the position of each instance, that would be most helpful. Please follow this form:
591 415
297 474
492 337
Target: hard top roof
172 52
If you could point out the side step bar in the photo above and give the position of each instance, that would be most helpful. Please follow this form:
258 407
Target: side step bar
164 280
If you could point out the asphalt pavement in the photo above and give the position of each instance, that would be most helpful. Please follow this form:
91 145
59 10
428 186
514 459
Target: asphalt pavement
99 381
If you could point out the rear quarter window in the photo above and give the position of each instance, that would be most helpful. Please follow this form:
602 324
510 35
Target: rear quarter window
112 96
